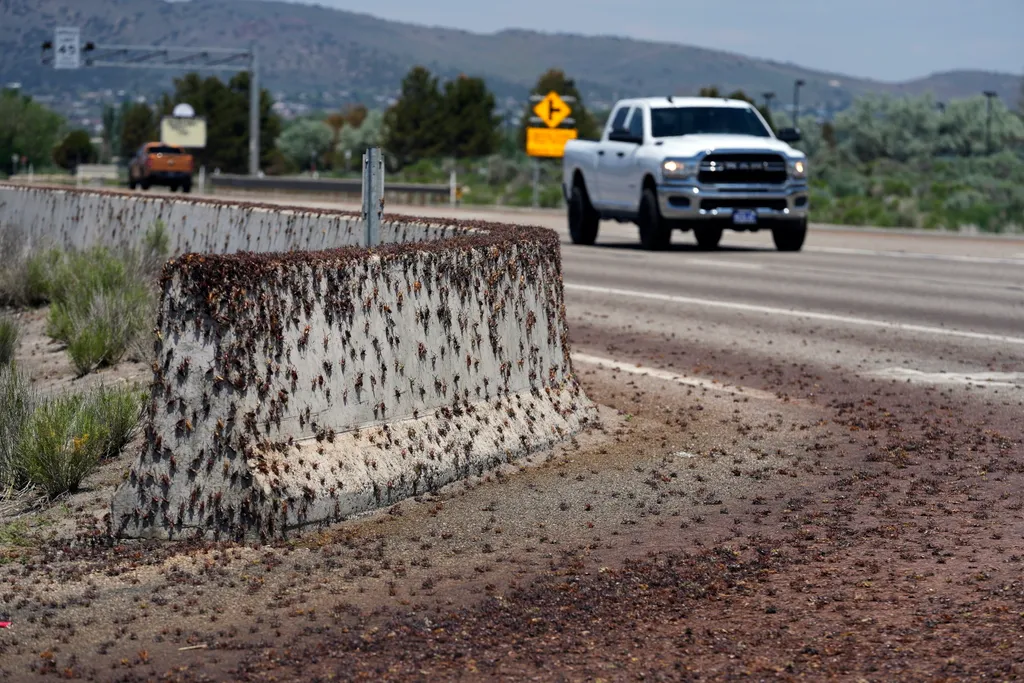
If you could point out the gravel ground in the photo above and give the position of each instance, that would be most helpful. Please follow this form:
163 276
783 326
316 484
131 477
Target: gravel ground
871 531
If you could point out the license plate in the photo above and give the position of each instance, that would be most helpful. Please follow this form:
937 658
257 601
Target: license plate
744 216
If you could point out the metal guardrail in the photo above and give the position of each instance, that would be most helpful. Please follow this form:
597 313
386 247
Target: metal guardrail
353 186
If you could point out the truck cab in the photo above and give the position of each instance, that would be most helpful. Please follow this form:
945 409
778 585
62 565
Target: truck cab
700 163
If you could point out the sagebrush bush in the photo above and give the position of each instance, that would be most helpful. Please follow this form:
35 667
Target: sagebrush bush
8 340
121 411
102 300
103 330
16 405
65 438
62 443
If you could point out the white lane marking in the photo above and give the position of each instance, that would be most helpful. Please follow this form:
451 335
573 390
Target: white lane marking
725 264
991 379
770 310
918 255
684 454
711 385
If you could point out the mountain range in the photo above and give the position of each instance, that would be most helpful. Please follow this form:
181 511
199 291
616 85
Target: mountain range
329 55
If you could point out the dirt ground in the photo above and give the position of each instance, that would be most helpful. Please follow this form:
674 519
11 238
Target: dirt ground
840 529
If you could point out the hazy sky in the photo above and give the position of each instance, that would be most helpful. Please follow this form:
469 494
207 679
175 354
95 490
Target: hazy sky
883 39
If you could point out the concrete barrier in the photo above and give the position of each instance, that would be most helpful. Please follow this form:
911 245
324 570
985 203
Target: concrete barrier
80 218
295 389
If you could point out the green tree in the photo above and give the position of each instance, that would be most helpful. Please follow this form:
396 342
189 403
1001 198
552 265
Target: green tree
27 129
138 126
357 139
556 80
470 127
413 124
112 117
225 106
76 148
304 141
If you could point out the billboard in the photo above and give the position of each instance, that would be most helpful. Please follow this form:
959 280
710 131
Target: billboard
183 132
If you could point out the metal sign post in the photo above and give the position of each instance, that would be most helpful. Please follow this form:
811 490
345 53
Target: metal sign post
550 127
373 195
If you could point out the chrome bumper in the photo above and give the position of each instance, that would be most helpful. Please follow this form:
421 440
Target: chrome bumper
699 202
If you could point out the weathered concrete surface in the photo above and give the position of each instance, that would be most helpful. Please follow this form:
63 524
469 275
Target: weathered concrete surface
80 218
296 389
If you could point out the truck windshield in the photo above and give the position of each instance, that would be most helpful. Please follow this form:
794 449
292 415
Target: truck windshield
669 122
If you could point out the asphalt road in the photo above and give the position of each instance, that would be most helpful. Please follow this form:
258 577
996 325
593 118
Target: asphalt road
935 309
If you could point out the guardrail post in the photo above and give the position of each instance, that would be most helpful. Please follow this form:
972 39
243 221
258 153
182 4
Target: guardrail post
452 188
202 180
373 195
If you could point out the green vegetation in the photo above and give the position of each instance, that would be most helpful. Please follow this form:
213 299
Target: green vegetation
8 340
29 131
102 300
427 122
138 124
76 148
16 402
906 162
54 444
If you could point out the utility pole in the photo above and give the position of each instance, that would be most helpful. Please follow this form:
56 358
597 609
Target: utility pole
796 101
63 53
254 113
989 94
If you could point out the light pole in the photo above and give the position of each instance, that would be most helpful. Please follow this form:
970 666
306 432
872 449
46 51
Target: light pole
796 101
989 94
768 97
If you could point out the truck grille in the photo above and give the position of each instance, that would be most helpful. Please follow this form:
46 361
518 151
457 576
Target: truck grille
756 169
778 204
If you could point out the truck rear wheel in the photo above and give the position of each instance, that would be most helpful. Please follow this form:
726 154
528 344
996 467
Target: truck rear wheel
708 237
790 236
583 218
655 232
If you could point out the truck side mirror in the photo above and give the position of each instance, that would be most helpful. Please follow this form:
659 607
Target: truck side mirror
789 134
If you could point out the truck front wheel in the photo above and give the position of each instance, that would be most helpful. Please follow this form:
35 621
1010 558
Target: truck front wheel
655 232
790 236
583 218
708 237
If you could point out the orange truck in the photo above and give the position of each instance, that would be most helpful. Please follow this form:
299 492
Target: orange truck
159 164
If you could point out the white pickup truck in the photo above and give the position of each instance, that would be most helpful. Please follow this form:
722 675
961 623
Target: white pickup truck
684 163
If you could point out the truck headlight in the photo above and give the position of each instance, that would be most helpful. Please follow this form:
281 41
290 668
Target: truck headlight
675 168
798 168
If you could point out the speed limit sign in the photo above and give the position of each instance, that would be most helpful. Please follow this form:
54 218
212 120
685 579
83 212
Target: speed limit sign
66 41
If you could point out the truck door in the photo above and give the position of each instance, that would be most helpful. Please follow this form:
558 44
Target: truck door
622 171
602 186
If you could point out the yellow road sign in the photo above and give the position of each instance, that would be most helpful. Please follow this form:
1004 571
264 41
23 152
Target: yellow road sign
552 110
548 142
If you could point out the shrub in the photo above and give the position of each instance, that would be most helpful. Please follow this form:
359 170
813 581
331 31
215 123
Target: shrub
102 300
120 410
103 330
16 403
65 438
8 340
61 445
